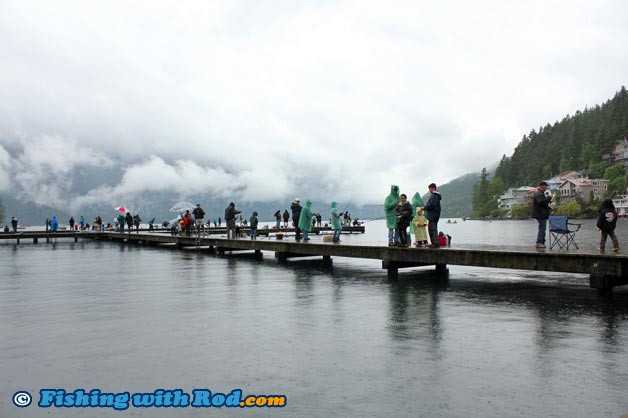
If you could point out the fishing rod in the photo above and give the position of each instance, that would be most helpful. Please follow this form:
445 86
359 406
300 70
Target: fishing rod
376 219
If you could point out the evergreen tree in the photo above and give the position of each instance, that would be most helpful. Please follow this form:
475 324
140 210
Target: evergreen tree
574 143
480 193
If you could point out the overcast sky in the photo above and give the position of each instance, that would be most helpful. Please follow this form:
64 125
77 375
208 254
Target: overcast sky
266 100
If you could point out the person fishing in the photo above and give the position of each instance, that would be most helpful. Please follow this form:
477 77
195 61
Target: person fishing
390 205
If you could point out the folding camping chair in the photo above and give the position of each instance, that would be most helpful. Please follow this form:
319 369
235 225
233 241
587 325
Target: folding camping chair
560 234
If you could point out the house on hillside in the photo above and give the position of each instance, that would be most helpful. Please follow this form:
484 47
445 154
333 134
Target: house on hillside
521 196
583 190
619 153
621 204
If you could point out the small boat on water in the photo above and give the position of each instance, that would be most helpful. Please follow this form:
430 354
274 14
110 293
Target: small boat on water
21 227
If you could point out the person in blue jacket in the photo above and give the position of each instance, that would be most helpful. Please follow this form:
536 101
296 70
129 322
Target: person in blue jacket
54 225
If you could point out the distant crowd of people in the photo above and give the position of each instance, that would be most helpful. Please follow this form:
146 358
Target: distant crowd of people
401 214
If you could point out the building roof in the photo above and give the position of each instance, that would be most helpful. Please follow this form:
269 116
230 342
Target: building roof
577 182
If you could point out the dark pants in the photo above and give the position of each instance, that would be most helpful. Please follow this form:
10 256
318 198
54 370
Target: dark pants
613 239
402 232
432 231
231 229
540 236
296 226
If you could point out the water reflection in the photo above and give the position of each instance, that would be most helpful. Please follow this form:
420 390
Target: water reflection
415 308
481 344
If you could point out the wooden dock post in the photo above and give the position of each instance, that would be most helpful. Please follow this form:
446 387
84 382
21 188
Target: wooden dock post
392 272
442 270
282 257
605 271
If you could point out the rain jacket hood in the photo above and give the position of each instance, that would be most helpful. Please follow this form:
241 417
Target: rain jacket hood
607 204
417 200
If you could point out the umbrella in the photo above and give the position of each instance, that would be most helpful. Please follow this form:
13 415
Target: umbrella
121 209
182 207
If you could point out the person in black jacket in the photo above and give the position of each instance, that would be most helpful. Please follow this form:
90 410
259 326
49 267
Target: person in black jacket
129 221
432 213
296 214
286 218
199 218
606 222
540 212
404 216
230 219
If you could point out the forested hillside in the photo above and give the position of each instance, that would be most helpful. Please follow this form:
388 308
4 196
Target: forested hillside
457 196
575 143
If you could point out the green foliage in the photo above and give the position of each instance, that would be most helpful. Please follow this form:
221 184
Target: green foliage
457 196
486 195
496 187
520 212
571 209
591 210
480 193
614 171
596 169
576 142
617 185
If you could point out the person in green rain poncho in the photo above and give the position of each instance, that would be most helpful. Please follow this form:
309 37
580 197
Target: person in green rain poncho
121 220
417 202
305 220
253 222
335 221
390 204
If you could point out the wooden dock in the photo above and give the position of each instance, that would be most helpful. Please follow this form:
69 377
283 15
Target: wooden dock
605 270
346 229
35 236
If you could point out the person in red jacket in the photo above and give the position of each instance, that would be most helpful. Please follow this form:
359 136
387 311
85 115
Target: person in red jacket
187 223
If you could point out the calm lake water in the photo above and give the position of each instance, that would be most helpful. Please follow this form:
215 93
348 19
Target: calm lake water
340 342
